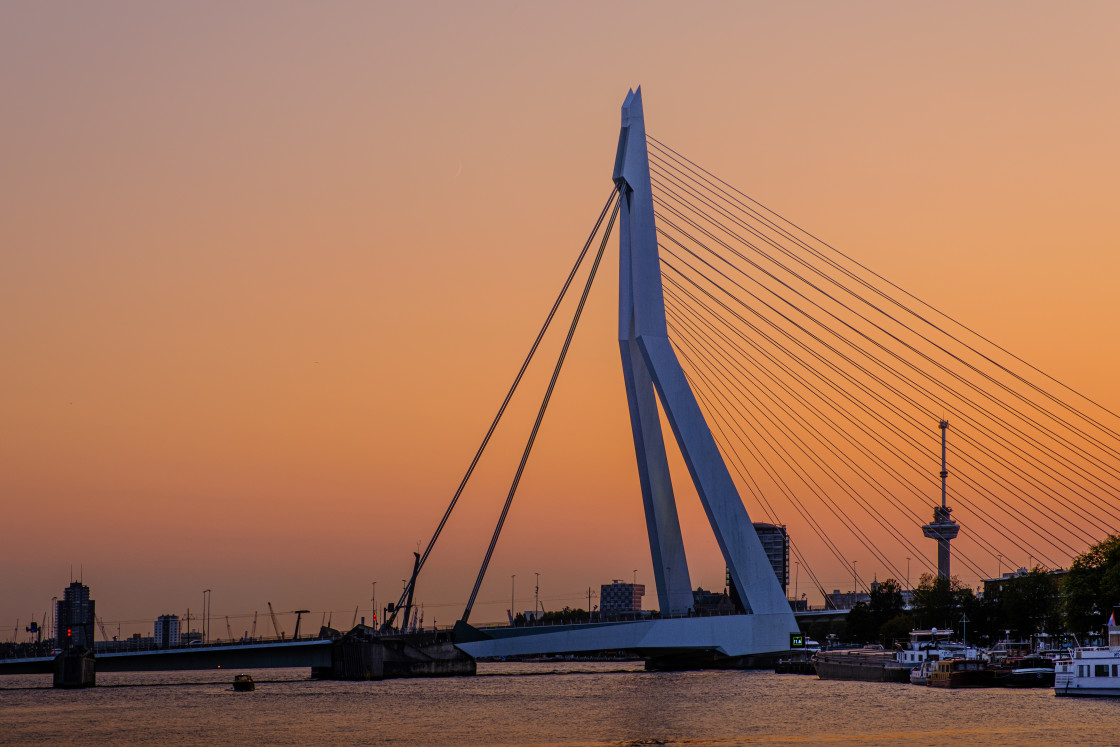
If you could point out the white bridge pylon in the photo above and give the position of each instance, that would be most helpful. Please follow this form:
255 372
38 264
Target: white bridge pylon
650 366
652 372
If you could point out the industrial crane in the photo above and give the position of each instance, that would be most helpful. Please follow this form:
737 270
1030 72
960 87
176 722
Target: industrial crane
275 625
253 635
229 632
299 615
101 624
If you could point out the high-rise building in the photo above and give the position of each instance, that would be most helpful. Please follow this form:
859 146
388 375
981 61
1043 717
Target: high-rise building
74 617
775 542
620 598
166 633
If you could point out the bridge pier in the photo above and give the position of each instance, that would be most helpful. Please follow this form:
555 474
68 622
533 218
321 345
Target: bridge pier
75 668
426 654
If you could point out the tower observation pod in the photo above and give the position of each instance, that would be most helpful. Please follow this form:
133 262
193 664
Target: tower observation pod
942 528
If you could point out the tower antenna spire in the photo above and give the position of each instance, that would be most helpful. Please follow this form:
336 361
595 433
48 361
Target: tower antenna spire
942 528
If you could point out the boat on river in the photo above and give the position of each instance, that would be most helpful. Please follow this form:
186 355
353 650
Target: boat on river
243 683
932 645
1030 677
957 673
1024 671
927 647
1091 671
920 674
867 664
904 664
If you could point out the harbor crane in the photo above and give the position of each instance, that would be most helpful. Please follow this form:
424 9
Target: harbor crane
275 625
299 616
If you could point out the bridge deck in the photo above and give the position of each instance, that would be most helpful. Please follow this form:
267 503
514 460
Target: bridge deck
313 653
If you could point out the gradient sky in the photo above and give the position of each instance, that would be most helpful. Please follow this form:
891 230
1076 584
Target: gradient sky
268 268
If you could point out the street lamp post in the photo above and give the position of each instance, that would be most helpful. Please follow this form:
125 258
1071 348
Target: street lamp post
205 615
513 595
855 583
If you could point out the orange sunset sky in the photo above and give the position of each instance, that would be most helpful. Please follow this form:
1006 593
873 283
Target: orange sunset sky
269 267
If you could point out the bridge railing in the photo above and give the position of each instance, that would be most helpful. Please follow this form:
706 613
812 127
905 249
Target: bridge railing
149 644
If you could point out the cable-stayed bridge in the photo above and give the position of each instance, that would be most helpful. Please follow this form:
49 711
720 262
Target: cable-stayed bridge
801 388
804 389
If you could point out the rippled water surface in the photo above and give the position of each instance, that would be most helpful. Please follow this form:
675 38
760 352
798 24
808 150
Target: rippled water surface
540 704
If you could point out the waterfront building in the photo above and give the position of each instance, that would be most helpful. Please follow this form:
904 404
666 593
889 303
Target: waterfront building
712 602
166 633
838 600
74 617
775 542
994 587
620 598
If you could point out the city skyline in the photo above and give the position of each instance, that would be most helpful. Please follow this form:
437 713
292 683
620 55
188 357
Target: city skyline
270 269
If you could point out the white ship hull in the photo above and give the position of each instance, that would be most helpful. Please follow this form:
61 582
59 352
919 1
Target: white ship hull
1090 673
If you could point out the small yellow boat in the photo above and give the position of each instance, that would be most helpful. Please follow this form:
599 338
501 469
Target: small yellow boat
243 683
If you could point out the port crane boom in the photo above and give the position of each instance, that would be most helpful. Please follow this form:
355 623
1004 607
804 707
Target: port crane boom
299 616
275 625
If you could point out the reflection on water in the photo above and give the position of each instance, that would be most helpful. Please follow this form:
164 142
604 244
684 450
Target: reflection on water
614 703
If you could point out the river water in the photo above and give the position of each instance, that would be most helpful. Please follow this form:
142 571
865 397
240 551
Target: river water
540 704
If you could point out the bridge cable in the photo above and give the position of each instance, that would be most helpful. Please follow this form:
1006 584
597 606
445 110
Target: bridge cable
827 363
870 392
661 146
878 345
748 479
843 484
860 350
846 415
505 402
826 381
894 372
707 201
791 461
1022 454
776 478
973 403
695 339
540 413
